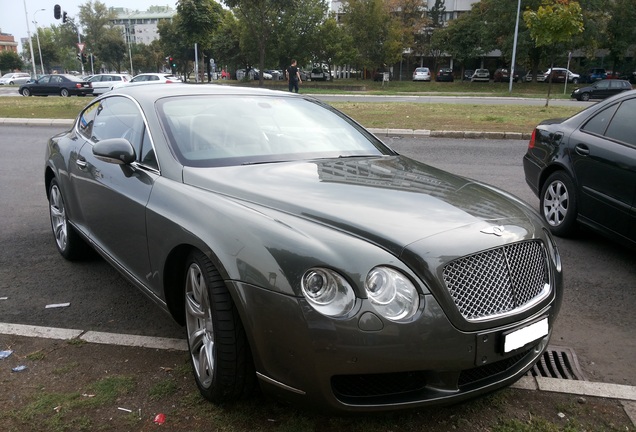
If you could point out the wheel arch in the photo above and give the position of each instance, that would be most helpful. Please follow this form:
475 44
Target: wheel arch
551 169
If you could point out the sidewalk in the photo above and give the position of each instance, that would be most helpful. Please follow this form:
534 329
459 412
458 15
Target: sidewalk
68 366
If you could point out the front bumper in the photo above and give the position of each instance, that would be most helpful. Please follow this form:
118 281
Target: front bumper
368 364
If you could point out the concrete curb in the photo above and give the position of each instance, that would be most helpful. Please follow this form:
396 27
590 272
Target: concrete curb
413 133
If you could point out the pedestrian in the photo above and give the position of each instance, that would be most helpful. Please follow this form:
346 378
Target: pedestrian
293 76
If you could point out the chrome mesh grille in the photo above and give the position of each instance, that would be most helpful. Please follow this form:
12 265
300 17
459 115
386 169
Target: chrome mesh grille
498 281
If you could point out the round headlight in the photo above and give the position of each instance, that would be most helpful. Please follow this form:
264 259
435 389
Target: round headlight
328 292
392 294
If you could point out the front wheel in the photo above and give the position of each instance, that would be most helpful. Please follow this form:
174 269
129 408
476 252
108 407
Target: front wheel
220 355
64 93
585 97
26 92
575 81
559 204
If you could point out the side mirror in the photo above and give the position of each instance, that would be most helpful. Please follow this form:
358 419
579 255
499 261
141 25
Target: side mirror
115 150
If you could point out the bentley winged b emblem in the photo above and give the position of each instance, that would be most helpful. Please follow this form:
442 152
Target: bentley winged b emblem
496 230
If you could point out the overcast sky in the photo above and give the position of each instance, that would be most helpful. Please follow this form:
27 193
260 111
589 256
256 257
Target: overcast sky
13 19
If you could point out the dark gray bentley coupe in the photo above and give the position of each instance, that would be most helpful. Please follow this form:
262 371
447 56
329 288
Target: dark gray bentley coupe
300 253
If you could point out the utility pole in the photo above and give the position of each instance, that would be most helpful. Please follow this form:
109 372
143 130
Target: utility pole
26 15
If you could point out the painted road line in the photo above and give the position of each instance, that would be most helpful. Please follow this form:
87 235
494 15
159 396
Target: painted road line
37 331
587 388
135 341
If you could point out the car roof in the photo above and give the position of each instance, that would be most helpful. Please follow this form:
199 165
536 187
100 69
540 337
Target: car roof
151 92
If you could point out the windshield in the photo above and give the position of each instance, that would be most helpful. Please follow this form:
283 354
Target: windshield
208 131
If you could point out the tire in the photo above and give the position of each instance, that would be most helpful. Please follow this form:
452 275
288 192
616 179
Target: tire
575 81
219 351
11 83
585 97
64 93
26 92
558 204
70 245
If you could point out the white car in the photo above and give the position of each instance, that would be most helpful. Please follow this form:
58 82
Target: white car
15 78
102 83
422 74
480 75
151 78
573 78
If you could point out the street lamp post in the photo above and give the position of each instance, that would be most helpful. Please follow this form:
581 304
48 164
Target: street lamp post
37 35
26 15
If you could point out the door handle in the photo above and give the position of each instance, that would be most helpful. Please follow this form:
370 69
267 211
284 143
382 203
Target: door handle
582 149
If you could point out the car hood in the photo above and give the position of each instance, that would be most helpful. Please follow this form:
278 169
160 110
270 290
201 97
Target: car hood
391 201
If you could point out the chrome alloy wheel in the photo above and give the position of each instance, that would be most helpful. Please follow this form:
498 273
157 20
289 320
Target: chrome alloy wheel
199 325
556 203
58 218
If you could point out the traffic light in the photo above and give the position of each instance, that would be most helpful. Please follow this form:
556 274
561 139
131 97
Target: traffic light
64 17
57 12
172 62
79 56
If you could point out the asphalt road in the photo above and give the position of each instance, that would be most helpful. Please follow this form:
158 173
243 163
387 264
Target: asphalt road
596 320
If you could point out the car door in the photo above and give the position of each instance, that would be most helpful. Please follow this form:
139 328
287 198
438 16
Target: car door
55 84
601 89
41 86
603 153
113 197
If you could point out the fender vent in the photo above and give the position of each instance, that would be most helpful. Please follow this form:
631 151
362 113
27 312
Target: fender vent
558 362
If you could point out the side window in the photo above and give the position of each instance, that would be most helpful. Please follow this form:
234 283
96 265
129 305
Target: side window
118 117
87 119
603 84
622 127
148 152
44 79
599 122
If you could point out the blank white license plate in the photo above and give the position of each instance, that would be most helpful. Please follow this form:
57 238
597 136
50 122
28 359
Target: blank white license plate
525 335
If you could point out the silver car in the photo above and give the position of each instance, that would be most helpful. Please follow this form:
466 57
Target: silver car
422 74
102 83
480 75
15 78
300 252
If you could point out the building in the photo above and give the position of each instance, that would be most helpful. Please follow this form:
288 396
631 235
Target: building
140 27
8 43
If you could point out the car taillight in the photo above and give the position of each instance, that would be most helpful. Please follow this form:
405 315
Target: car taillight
169 82
78 85
532 138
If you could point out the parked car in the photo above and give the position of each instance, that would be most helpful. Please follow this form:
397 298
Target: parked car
612 75
14 78
601 89
422 74
581 168
102 83
539 77
559 74
468 74
320 74
445 74
273 227
149 78
480 75
501 75
595 74
56 84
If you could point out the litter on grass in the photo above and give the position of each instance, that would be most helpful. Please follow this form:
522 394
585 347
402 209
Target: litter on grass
19 368
4 354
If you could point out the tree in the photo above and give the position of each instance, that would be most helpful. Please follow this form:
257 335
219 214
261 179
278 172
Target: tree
376 34
112 49
414 25
9 61
621 32
198 20
95 18
259 18
333 44
554 24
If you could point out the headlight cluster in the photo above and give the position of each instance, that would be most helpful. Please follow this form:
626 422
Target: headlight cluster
390 292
